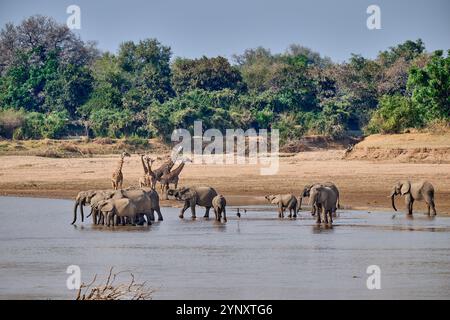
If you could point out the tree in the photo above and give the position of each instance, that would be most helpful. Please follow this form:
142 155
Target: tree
395 114
211 74
147 66
44 66
430 86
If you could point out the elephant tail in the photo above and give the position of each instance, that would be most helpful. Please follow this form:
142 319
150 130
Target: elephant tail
338 203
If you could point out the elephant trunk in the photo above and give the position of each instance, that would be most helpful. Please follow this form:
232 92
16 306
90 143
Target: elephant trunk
81 210
75 211
299 203
393 201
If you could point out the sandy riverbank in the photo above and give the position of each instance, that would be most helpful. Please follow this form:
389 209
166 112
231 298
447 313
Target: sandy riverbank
363 184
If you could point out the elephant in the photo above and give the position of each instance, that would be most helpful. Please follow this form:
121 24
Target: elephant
97 217
324 198
193 196
422 190
306 192
284 201
219 204
146 201
85 198
112 209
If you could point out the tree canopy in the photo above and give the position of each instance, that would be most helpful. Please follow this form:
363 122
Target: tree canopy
50 78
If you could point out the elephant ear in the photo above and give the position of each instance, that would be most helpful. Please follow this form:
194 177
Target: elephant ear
107 207
406 186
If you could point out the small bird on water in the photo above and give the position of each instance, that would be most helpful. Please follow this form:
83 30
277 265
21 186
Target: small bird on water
238 212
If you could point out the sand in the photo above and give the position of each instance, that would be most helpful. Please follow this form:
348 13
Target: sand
364 184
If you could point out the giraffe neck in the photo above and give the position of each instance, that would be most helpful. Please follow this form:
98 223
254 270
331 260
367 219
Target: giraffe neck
150 172
119 167
177 171
143 164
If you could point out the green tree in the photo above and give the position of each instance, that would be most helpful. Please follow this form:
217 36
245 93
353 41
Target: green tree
211 74
430 86
395 114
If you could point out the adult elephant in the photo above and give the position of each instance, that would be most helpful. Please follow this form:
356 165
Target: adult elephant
422 190
194 196
85 198
307 189
146 201
115 209
325 199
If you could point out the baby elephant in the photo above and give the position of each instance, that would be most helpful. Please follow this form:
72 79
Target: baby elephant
323 198
284 201
117 209
219 203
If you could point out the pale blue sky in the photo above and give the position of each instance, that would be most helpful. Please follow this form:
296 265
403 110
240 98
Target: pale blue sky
193 28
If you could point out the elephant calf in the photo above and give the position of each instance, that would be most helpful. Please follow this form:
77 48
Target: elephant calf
219 203
325 199
284 201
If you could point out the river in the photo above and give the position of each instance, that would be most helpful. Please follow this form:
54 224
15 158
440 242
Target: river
255 257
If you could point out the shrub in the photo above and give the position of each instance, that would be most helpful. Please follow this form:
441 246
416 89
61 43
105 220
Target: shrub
10 121
395 114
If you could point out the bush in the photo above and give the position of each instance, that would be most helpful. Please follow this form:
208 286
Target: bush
395 114
38 125
10 121
111 123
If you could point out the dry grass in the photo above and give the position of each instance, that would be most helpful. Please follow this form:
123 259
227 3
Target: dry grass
78 147
111 290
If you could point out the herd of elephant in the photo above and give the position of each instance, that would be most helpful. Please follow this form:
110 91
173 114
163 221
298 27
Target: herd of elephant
137 206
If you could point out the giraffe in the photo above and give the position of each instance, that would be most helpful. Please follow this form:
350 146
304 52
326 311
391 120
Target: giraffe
144 181
165 167
117 176
172 177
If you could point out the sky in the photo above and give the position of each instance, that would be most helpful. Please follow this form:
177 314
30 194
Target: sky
193 28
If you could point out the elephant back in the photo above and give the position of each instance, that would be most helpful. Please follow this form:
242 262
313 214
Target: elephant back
205 195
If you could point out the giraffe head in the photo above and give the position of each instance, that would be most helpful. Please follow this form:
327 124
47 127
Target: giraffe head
125 154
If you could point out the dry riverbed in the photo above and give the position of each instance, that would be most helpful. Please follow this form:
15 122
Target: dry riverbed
364 184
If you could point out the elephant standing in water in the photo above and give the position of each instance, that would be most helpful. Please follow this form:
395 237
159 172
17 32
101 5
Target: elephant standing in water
422 190
306 192
194 196
89 197
146 201
324 198
284 201
219 204
117 211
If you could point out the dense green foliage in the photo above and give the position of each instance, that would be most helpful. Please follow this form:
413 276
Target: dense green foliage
53 84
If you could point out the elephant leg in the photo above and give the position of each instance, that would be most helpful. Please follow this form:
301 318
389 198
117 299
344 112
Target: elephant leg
193 211
207 212
152 214
430 203
224 215
331 216
158 211
318 213
186 205
408 202
216 214
433 208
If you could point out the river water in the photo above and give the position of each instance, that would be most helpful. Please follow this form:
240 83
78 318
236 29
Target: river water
255 257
